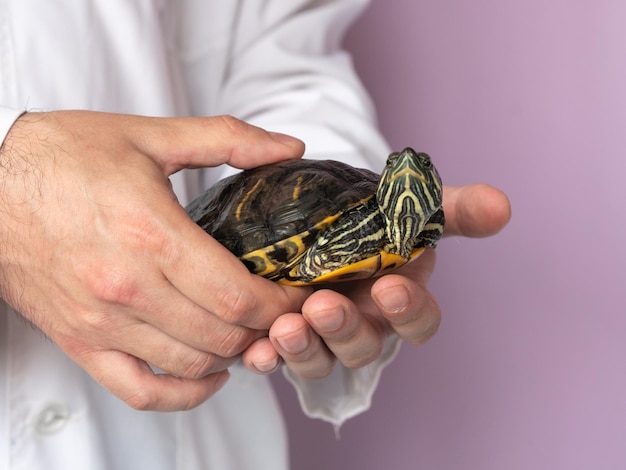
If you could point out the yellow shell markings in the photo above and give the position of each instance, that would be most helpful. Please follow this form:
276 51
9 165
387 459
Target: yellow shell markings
297 188
246 198
365 268
266 264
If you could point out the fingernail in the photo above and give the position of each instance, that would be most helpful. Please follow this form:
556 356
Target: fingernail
286 139
296 342
393 299
328 321
267 367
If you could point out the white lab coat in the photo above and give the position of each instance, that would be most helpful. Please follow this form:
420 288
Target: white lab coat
277 64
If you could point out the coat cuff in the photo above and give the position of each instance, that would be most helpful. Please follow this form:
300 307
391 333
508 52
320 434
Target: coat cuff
7 117
345 393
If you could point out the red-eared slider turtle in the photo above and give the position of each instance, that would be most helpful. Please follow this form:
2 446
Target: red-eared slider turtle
302 222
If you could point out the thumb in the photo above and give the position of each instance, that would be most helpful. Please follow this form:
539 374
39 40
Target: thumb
475 210
194 142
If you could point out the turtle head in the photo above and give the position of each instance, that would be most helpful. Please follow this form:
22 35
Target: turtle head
409 193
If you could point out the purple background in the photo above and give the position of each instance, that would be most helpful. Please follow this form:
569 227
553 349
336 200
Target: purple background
528 369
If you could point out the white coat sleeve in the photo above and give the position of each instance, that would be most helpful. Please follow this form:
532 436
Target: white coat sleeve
287 72
291 74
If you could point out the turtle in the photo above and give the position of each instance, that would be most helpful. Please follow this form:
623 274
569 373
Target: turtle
304 222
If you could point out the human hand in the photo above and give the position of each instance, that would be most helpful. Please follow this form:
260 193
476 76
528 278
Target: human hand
96 251
350 323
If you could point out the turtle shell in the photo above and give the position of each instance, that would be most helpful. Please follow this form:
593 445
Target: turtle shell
280 208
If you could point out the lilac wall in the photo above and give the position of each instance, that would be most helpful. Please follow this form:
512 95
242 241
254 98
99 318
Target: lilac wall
528 370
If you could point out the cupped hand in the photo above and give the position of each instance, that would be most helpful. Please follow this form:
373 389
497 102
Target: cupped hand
96 251
351 322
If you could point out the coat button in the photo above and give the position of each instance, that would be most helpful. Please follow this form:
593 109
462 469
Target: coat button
51 418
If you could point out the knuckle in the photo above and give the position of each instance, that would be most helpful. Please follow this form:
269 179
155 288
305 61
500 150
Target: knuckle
141 400
115 277
233 342
237 306
97 322
97 325
199 366
232 124
109 283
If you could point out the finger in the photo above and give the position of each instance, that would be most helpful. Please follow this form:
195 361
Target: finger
476 210
214 279
301 349
261 357
133 381
404 301
161 306
352 338
194 142
165 353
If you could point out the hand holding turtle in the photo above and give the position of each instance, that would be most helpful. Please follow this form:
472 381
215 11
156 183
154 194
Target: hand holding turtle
96 251
350 323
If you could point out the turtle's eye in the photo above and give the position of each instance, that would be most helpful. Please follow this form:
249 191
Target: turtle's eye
425 160
392 157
